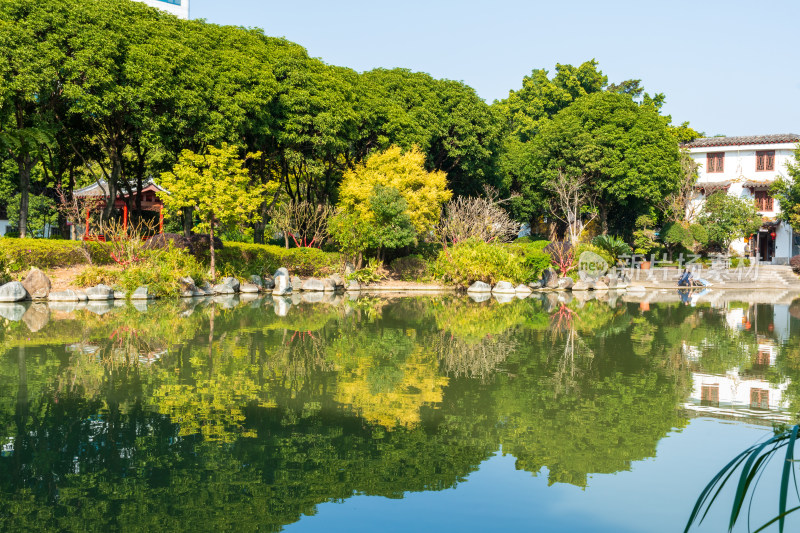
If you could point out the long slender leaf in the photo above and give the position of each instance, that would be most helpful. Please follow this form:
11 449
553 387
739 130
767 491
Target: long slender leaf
729 468
721 486
768 457
787 470
744 481
753 463
779 517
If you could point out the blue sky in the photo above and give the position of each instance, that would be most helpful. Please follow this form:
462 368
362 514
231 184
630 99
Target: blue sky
729 67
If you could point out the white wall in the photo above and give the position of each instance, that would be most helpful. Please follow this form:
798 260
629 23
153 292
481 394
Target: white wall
181 11
740 162
735 390
739 168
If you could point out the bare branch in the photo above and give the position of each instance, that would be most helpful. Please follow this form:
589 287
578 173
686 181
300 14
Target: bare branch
574 203
480 218
305 223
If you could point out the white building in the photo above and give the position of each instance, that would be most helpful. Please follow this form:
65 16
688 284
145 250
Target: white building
179 8
746 167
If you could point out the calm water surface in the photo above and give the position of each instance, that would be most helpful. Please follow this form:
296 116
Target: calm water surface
432 413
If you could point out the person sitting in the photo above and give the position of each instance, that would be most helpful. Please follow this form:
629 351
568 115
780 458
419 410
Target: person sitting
686 278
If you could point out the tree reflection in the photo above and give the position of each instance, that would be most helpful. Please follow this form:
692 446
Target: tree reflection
248 419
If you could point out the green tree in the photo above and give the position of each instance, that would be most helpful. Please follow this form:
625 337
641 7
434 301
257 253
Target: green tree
352 233
541 98
387 225
28 67
217 188
523 113
787 192
393 228
622 148
41 214
727 218
455 129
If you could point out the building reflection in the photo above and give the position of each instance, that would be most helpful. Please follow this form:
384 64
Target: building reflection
749 391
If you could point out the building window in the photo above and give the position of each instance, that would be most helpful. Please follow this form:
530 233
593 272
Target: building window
765 160
716 162
709 395
173 2
762 358
759 399
764 201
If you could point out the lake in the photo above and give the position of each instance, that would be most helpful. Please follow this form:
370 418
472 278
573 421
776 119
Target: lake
408 413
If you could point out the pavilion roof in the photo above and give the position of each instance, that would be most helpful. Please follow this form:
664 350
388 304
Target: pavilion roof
99 189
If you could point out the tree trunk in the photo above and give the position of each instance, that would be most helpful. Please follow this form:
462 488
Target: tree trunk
187 221
258 233
603 214
24 164
116 170
213 259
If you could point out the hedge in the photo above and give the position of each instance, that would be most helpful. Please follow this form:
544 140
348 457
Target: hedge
241 258
20 255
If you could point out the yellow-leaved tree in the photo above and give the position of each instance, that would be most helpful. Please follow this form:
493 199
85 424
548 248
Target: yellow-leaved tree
216 186
424 192
387 202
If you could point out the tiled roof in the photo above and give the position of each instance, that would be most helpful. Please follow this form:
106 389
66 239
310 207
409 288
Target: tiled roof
747 139
100 189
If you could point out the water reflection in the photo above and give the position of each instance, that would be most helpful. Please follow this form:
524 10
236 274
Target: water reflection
245 413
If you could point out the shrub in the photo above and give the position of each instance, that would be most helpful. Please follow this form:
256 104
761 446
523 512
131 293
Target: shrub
21 254
737 261
535 258
562 256
539 244
677 235
160 273
794 262
474 260
481 218
241 258
596 249
644 238
198 244
371 273
5 272
410 268
699 233
95 275
614 246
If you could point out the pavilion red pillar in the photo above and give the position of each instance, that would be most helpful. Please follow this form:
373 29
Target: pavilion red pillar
125 218
86 231
161 219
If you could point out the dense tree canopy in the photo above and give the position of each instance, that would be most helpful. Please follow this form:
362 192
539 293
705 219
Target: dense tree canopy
116 90
622 149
